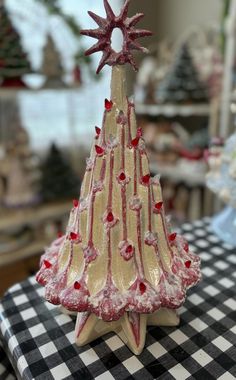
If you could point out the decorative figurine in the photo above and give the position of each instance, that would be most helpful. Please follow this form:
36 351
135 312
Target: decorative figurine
19 169
119 265
221 179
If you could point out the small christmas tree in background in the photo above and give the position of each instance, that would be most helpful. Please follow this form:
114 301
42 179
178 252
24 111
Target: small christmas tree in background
13 60
182 84
58 180
52 67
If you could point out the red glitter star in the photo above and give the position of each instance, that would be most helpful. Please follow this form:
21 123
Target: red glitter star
104 33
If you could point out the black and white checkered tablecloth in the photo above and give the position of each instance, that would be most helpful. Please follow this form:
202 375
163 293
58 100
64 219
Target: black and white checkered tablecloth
6 370
39 338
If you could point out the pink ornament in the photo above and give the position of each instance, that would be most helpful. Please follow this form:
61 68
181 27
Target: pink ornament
126 250
90 253
135 203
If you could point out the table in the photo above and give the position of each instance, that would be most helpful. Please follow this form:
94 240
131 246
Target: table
40 338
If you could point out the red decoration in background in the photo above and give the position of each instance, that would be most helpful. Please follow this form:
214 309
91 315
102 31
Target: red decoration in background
142 288
146 179
47 264
13 82
77 285
108 105
75 203
110 217
188 264
194 155
104 33
59 234
99 150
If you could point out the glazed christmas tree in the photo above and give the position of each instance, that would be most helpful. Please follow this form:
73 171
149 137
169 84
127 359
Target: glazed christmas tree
182 84
13 60
119 265
52 67
58 180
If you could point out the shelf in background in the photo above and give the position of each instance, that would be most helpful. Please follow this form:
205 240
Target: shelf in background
33 216
177 175
171 110
32 249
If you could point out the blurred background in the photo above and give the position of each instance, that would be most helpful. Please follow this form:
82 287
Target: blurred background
51 100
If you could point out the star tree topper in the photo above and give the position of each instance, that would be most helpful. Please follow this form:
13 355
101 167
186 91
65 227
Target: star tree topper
104 33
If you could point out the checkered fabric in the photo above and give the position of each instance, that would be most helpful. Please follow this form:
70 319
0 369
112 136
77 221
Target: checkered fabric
40 338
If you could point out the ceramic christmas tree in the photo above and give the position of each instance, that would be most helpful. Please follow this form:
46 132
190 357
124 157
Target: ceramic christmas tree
58 180
119 265
182 83
13 60
52 67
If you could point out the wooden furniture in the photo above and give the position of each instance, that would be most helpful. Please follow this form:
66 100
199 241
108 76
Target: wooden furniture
16 265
